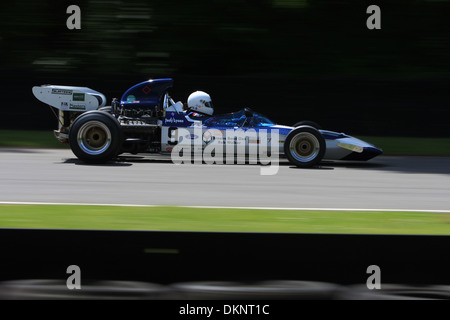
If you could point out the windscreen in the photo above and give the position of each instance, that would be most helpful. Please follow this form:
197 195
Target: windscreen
238 119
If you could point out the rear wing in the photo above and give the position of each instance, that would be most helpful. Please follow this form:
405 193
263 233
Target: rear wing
67 98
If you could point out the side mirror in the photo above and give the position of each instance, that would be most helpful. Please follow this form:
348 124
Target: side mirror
165 103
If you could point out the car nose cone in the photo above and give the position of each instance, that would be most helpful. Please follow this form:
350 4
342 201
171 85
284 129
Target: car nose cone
367 154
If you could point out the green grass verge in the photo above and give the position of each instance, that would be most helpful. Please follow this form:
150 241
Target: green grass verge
390 145
29 139
411 146
221 220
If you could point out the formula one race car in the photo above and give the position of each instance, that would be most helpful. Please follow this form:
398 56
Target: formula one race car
148 120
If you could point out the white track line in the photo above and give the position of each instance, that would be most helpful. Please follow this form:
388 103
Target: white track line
218 207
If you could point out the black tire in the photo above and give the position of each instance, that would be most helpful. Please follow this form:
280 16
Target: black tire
95 137
308 123
304 147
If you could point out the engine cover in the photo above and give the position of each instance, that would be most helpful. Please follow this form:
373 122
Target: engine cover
146 95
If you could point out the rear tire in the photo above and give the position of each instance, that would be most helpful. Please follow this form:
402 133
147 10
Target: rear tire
95 137
304 147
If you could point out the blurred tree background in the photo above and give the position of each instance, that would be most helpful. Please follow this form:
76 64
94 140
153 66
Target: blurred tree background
291 59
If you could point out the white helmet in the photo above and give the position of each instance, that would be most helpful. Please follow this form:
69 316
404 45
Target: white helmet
201 102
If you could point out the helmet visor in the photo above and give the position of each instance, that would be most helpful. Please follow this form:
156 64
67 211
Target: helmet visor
208 104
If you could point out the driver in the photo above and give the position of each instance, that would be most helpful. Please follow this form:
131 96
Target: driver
199 106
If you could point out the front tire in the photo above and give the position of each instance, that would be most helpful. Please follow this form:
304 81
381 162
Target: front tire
95 137
304 147
308 123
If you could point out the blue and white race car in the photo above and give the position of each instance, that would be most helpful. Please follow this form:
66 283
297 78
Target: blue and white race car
148 120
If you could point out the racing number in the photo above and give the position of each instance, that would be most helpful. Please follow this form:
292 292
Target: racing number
173 136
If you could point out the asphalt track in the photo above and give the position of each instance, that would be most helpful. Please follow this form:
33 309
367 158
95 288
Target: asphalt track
46 175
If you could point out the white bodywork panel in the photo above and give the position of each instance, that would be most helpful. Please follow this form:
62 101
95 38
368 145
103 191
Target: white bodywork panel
67 98
197 136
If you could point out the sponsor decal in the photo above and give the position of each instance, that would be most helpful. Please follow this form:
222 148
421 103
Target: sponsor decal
351 147
78 96
64 104
211 135
191 136
61 91
207 136
131 98
173 120
73 106
257 141
146 90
